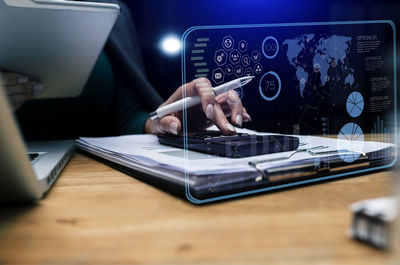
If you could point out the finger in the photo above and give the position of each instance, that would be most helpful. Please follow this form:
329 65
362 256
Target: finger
207 96
170 124
13 78
235 104
16 101
30 89
226 109
246 115
186 90
221 98
221 122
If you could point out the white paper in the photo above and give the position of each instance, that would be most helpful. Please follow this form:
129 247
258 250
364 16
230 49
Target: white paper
145 151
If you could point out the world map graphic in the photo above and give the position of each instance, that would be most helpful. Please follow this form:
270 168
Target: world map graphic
326 52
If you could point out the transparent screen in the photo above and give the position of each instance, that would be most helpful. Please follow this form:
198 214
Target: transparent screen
327 88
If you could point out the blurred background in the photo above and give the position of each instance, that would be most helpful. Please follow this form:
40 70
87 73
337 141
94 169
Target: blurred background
159 20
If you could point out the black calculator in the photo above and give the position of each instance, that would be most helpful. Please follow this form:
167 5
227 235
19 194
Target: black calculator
234 146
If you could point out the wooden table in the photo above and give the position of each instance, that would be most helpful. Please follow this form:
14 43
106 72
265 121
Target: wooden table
97 215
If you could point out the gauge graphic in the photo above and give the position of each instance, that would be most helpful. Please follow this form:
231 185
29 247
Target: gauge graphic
355 104
270 86
351 142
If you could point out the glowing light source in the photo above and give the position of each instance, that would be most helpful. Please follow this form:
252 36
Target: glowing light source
170 45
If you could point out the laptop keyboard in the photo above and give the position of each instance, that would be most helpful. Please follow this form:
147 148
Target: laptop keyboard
235 146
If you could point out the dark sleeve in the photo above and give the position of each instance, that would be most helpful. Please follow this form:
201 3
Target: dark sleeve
130 113
123 49
135 96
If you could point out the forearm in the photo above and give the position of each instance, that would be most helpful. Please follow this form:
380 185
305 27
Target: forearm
135 122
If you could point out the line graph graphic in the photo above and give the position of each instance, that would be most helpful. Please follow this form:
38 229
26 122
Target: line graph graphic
379 133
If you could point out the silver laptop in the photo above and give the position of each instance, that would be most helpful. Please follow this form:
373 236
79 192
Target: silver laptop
55 43
28 170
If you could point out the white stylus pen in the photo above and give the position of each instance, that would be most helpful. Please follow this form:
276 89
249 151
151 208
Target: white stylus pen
192 101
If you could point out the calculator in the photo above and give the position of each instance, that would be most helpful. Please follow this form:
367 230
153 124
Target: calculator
234 146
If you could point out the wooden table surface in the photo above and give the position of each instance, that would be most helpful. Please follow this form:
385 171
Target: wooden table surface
97 215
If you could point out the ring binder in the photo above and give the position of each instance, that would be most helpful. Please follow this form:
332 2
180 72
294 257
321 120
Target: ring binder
311 168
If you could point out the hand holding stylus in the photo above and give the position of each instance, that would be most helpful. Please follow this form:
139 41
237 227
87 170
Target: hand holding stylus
215 105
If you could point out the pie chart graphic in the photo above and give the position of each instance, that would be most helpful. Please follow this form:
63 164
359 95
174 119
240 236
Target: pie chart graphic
350 142
355 104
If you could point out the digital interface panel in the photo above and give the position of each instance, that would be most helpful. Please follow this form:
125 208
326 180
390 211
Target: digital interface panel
333 80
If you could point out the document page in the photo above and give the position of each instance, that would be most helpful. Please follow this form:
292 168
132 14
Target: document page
146 151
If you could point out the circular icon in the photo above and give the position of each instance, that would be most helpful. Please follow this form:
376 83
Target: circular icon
228 69
242 45
351 142
246 60
218 75
270 47
258 68
248 72
220 57
227 43
255 56
234 56
355 104
270 86
238 70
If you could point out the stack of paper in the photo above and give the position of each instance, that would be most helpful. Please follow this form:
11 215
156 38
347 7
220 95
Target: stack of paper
144 153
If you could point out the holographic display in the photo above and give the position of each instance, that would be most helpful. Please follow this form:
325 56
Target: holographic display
328 79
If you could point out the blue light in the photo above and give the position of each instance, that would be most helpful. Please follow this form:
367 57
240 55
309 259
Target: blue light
170 45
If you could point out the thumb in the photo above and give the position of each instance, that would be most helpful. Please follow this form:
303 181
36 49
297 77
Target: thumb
170 124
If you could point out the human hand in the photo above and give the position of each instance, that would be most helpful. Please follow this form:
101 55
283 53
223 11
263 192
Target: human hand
213 110
19 88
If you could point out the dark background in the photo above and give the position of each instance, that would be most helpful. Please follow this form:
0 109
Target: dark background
157 18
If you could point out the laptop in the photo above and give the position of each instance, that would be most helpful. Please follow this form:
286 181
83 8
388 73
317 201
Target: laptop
27 170
55 43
